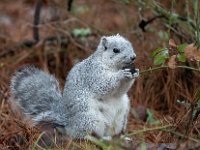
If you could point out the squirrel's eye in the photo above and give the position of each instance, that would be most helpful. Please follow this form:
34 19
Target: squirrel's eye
115 50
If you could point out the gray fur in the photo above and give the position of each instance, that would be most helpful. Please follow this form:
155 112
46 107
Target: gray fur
95 94
35 92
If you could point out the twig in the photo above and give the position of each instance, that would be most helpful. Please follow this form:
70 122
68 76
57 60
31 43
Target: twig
149 129
98 30
8 50
36 21
153 69
187 67
190 120
182 135
143 23
70 38
30 43
164 67
69 5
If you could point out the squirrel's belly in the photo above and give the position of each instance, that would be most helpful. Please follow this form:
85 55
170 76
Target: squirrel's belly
112 111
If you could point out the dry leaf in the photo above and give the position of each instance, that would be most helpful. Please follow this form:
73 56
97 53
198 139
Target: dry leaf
190 51
172 43
172 62
197 55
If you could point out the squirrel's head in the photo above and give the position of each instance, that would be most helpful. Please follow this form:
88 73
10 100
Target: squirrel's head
116 51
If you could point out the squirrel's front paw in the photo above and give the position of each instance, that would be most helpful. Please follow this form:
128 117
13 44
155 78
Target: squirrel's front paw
136 73
127 73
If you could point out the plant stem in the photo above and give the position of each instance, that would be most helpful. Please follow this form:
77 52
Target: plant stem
190 68
164 67
153 69
148 129
182 135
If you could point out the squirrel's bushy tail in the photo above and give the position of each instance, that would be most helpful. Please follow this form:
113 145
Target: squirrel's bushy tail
35 92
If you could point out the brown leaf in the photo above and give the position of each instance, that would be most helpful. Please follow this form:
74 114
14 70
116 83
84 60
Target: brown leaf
172 43
190 51
172 62
197 55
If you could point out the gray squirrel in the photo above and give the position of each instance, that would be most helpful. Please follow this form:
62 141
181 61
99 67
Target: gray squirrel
94 100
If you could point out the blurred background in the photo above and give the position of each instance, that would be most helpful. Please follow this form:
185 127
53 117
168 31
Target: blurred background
55 34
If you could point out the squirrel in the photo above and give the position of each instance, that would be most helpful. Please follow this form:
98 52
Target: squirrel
94 100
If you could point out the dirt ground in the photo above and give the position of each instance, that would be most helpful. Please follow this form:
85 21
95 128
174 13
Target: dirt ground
153 96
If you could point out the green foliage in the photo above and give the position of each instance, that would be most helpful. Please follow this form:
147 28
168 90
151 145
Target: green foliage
151 119
81 32
156 51
181 47
80 9
197 22
181 57
187 30
160 55
143 146
187 27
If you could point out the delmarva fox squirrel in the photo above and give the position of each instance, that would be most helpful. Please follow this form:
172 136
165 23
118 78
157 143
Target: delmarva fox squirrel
94 100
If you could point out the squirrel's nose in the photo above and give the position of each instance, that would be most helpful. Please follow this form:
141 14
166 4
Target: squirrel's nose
132 58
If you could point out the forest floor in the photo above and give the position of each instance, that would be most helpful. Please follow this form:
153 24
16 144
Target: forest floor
163 99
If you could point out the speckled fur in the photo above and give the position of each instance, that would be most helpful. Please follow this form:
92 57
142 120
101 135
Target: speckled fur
95 94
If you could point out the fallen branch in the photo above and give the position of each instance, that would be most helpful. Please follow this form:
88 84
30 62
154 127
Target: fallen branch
63 40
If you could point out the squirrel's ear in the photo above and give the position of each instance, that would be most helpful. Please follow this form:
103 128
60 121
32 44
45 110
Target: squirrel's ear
104 42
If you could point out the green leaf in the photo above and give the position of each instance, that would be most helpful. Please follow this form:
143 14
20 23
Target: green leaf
160 55
80 9
181 57
81 32
182 47
159 60
156 51
150 117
